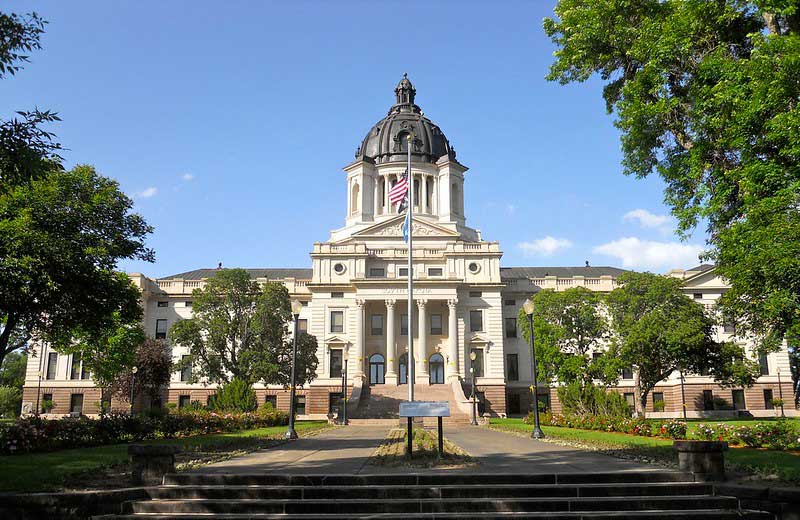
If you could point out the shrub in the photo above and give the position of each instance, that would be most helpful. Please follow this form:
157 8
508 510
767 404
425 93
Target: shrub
47 405
591 400
236 396
659 406
10 401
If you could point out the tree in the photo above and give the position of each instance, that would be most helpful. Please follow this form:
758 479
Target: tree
569 326
61 237
657 330
239 330
12 372
705 95
154 367
18 35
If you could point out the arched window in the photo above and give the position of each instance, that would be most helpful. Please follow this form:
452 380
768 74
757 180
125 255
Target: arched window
454 207
404 369
436 368
377 369
354 198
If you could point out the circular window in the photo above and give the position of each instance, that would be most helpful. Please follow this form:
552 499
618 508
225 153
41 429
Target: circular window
339 268
474 267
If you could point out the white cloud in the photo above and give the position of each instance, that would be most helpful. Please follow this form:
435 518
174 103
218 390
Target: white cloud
544 246
635 253
187 177
147 192
647 219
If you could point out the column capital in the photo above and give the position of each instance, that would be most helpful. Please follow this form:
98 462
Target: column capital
452 303
360 303
421 303
390 304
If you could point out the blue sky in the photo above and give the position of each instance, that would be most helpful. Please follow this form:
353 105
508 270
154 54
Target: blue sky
230 124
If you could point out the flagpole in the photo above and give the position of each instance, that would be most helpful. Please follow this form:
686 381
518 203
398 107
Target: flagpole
411 364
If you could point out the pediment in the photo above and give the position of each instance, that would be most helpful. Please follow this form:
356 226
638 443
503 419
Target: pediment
336 340
394 228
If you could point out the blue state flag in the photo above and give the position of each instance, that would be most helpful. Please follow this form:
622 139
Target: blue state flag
405 224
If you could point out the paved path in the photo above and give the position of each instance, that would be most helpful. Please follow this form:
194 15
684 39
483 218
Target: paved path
346 450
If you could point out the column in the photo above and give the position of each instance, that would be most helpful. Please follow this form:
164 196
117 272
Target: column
386 187
376 203
391 347
424 194
452 340
422 344
359 372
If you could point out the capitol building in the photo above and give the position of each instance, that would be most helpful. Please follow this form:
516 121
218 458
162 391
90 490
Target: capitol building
355 302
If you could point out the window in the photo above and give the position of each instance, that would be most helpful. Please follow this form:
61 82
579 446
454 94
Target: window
184 401
155 403
510 303
435 271
514 407
336 363
52 365
475 294
477 364
161 329
271 400
708 400
728 327
768 399
302 325
337 295
339 268
404 324
627 373
436 324
658 397
163 304
475 321
300 404
334 403
337 321
597 355
76 404
512 367
630 399
187 303
186 368
377 324
75 368
402 271
473 267
544 402
763 364
697 296
511 327
46 398
376 272
738 400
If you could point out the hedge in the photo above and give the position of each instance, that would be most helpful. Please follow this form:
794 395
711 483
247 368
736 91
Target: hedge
670 429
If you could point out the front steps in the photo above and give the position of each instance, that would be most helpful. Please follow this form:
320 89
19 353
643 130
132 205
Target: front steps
382 402
634 496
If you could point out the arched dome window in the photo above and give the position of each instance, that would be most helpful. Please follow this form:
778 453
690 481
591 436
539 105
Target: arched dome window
354 199
454 199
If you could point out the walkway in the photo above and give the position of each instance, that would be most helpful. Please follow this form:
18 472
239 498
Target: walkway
346 450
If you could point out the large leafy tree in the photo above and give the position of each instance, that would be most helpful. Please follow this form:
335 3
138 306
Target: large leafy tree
61 237
153 361
569 327
239 330
12 372
657 330
705 95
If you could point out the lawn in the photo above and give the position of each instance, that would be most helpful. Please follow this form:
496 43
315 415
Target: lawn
765 463
47 471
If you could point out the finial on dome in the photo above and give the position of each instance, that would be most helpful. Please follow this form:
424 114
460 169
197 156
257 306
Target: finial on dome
405 91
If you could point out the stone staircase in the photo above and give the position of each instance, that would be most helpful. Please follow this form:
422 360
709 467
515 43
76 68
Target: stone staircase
380 404
633 496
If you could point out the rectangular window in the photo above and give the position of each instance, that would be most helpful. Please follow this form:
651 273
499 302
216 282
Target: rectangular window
52 365
271 400
475 294
658 401
435 271
161 329
163 304
729 327
75 368
404 324
510 303
768 399
477 364
544 402
376 272
187 303
337 295
627 373
302 325
708 400
511 327
512 367
76 404
475 321
514 407
336 363
46 398
184 401
597 355
763 364
300 404
738 400
697 296
337 321
334 402
402 271
630 398
436 324
186 368
376 320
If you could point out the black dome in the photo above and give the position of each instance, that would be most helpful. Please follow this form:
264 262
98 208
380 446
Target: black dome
386 141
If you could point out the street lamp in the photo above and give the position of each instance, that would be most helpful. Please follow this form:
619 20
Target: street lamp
780 392
537 430
133 383
296 308
344 388
472 356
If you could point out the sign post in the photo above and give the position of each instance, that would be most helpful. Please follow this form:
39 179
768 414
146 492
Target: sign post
438 409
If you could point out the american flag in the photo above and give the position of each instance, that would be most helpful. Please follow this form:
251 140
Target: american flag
399 191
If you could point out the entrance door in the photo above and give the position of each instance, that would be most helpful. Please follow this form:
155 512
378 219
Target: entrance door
377 368
404 369
436 365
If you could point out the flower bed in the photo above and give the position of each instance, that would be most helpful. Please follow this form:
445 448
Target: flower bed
33 434
775 435
670 429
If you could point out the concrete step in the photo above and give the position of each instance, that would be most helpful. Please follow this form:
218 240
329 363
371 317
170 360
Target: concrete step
699 514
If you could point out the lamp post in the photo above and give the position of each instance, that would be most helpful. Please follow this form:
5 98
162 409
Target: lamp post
133 383
344 389
537 430
472 356
780 393
296 308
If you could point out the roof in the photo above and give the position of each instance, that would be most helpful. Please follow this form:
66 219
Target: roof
561 272
702 268
270 274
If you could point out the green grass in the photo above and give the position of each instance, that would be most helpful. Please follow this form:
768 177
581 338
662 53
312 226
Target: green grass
47 471
780 464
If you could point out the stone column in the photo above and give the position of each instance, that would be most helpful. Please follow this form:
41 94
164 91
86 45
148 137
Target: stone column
391 347
424 194
359 372
376 204
452 340
386 188
422 344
